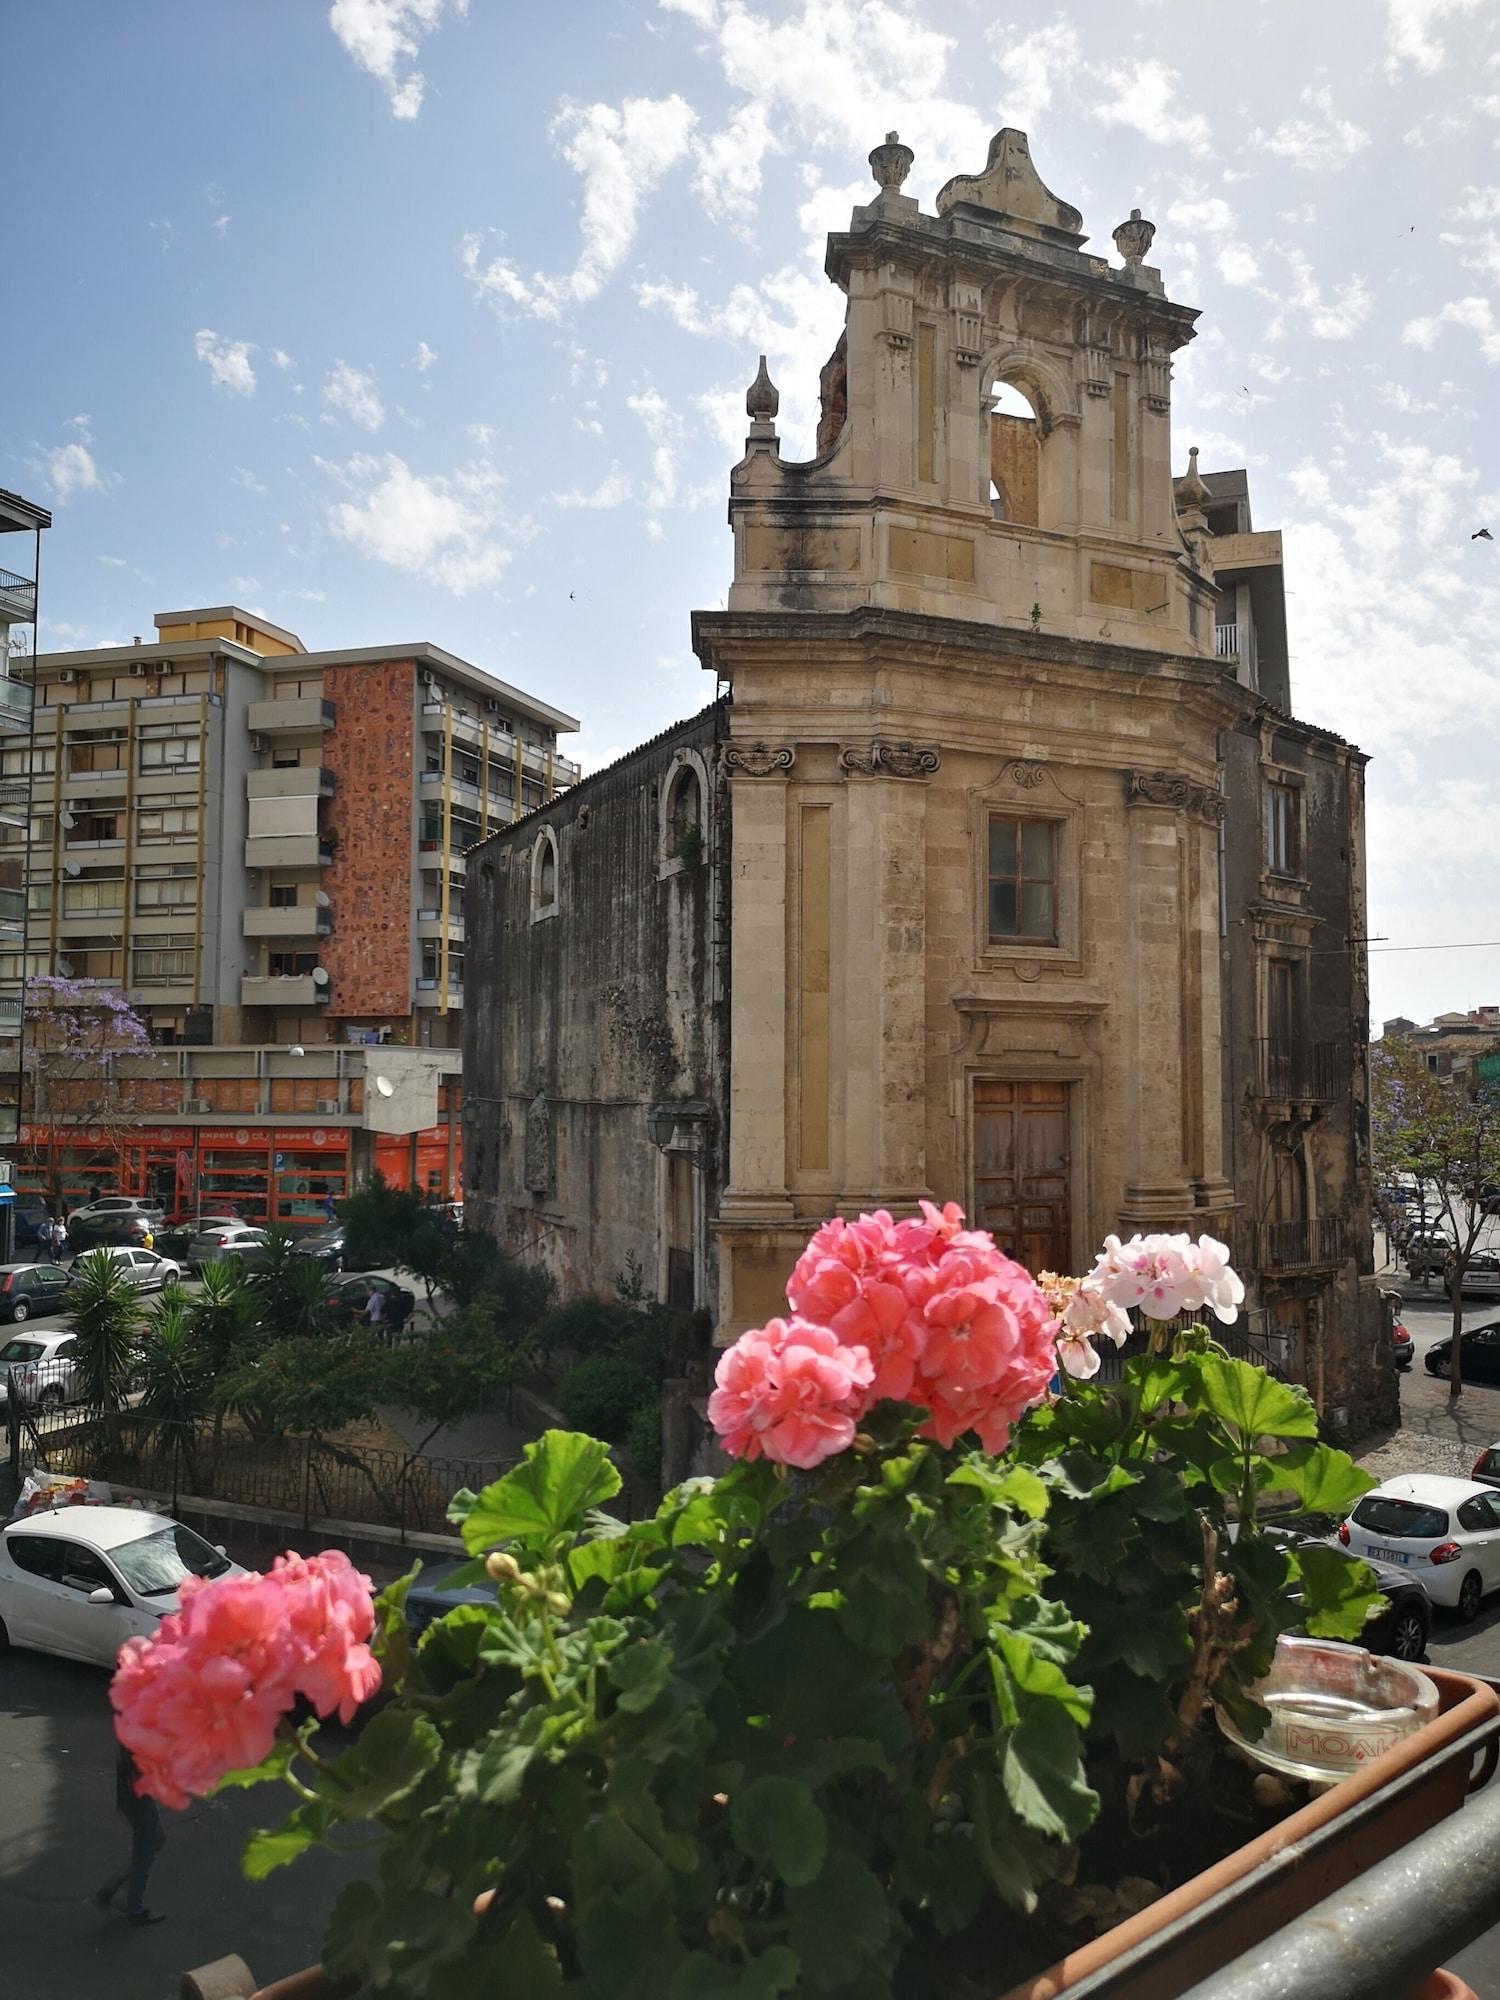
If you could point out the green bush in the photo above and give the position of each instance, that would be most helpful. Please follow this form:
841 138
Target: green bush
602 1393
643 1443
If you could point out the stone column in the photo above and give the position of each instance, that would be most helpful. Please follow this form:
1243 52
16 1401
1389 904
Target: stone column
1158 1194
757 1191
885 976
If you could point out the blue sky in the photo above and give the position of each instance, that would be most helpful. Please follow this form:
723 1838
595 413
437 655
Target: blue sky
412 319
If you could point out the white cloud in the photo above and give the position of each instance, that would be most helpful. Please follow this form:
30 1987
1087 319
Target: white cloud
1328 319
352 392
1412 32
1236 261
221 224
665 430
384 37
312 596
1030 67
243 476
227 361
728 177
1142 97
424 357
69 469
281 359
1479 205
704 12
114 562
447 528
1474 314
612 491
621 152
1321 144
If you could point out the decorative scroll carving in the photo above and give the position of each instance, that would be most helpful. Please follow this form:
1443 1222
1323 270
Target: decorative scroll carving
890 760
1023 773
1171 788
758 760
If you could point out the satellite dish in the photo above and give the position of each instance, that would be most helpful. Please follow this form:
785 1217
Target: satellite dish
68 821
72 868
384 1085
296 1050
322 899
319 976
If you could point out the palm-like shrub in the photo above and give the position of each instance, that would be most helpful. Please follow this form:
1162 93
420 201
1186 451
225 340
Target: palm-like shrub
106 1320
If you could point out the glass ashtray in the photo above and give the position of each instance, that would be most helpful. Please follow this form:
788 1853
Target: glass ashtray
1332 1709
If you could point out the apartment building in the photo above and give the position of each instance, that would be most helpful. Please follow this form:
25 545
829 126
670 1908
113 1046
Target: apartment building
22 524
263 848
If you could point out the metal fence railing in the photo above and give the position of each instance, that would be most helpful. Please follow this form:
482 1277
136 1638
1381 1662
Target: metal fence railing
310 1478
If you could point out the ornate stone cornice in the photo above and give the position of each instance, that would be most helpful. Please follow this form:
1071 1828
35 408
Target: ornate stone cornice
759 760
1171 788
890 760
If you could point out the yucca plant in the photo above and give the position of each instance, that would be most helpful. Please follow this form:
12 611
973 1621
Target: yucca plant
105 1312
176 1379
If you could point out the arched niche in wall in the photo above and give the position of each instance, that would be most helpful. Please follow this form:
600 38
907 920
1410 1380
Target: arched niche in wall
1031 477
682 832
544 875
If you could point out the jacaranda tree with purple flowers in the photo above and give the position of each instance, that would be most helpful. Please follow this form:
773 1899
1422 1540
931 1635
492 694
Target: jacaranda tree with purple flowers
77 1037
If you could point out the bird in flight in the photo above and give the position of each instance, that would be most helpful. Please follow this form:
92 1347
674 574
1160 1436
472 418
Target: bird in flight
1481 535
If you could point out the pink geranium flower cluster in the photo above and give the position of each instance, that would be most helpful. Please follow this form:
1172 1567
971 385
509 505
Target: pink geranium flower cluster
1168 1275
204 1695
922 1311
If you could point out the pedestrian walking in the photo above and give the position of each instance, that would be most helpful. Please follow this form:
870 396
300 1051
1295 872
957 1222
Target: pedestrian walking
330 1207
375 1307
143 1817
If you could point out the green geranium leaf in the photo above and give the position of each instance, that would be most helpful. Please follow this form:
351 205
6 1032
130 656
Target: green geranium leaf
1338 1592
521 1963
1042 1771
1254 1402
1039 1677
563 1475
1003 1484
778 1823
1325 1480
640 1672
394 1753
701 1977
837 1920
266 1850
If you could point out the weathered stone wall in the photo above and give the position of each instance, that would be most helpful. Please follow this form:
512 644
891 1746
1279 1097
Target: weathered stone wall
578 1021
1312 919
369 751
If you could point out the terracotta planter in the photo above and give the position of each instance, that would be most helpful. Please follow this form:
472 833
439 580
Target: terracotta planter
1199 1928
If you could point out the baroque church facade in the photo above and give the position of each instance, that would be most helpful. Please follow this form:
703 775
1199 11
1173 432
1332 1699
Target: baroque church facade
1002 872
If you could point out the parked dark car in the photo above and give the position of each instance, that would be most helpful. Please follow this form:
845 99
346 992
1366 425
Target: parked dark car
1402 1628
432 1595
324 1246
112 1219
31 1291
1480 1357
347 1299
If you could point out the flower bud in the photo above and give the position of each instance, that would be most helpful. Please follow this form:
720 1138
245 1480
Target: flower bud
501 1567
558 1604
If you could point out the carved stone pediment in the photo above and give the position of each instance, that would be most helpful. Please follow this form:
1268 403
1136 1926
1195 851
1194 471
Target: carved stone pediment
1172 788
1012 189
759 760
890 760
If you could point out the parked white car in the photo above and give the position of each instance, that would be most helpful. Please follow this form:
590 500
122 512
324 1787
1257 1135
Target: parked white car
44 1367
144 1268
79 1581
1446 1531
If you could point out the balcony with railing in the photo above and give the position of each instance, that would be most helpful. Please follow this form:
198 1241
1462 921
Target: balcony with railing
15 706
287 712
17 598
1306 1073
1309 1243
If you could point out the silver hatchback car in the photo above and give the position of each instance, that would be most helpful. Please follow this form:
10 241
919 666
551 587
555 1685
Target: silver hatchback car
43 1366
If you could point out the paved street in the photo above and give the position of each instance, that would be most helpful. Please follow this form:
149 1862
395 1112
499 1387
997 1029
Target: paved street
60 1836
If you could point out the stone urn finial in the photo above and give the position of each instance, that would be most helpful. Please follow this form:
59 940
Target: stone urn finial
1134 238
891 163
762 399
1192 489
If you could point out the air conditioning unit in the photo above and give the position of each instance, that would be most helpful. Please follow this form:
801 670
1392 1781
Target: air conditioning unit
197 1104
328 1107
67 675
260 744
139 669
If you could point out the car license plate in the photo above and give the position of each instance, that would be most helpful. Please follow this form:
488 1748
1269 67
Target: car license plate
1389 1555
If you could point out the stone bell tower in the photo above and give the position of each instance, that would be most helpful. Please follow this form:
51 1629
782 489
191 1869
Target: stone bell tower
972 751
